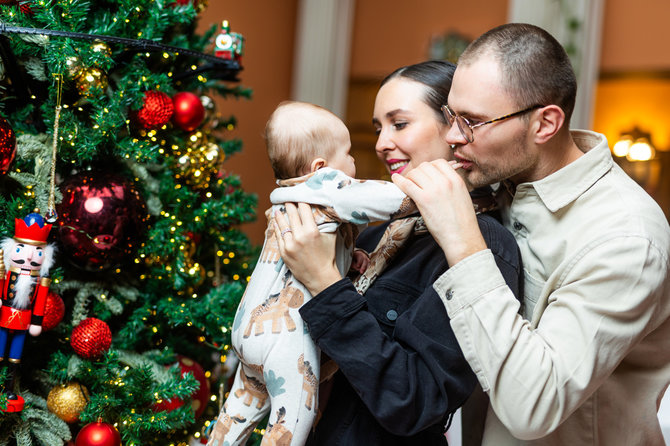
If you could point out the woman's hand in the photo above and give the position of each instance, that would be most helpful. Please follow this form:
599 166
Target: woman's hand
308 253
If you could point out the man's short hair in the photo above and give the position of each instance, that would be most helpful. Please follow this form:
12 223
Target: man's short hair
535 67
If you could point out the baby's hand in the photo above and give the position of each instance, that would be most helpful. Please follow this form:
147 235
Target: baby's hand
360 261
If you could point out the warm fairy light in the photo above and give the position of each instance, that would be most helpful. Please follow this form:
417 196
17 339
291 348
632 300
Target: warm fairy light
219 253
236 277
226 261
231 255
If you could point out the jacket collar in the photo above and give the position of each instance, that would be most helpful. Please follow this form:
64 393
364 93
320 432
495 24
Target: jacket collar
567 184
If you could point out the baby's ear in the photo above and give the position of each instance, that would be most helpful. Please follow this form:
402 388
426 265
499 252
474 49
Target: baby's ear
317 164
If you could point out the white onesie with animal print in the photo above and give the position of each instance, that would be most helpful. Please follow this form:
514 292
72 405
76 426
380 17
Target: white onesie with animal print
277 356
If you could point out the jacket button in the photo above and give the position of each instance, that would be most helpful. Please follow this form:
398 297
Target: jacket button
449 294
392 315
518 226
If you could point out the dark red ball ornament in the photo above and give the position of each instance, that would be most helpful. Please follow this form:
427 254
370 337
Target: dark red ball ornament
91 338
102 219
188 111
156 111
54 311
98 434
200 397
7 145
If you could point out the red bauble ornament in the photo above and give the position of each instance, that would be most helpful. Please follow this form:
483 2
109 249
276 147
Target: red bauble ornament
53 311
91 338
7 145
201 396
199 4
188 111
156 111
98 434
24 6
102 218
168 405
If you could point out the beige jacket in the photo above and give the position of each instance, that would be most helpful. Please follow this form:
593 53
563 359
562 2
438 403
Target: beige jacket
589 361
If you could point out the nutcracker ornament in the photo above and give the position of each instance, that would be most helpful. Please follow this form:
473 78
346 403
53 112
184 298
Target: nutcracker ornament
229 46
24 285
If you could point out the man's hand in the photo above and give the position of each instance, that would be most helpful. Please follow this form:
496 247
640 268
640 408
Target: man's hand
444 201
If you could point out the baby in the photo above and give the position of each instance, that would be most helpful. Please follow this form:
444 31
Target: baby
308 147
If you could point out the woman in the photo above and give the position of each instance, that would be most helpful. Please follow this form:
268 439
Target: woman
401 372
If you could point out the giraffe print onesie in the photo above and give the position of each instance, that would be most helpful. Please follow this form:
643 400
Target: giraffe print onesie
279 363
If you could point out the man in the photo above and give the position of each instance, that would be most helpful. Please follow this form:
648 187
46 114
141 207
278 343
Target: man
24 288
588 359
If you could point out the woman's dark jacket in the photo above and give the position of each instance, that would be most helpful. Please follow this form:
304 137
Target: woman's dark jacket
402 373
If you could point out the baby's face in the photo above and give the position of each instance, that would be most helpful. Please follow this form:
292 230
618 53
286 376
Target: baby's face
340 159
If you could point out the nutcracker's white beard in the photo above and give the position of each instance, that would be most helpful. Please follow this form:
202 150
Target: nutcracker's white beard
23 288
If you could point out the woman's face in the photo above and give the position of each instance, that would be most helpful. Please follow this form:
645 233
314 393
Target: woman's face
409 131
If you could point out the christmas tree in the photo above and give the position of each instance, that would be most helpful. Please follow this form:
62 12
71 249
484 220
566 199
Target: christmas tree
109 132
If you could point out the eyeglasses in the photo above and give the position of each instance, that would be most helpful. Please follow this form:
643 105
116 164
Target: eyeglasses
467 129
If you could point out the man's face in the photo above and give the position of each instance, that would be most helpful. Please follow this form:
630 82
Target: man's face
26 256
500 150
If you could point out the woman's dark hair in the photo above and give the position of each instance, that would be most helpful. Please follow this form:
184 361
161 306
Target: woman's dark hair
435 75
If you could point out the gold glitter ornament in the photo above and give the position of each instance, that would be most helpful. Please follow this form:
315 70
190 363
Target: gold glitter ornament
102 48
90 79
73 66
199 163
212 116
67 401
191 266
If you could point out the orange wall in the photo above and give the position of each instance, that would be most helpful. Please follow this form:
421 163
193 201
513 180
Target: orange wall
268 27
391 33
636 35
622 104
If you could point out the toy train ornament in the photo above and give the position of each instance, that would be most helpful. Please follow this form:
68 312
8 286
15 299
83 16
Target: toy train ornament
228 45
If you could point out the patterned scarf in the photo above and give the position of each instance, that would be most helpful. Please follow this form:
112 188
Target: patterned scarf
400 231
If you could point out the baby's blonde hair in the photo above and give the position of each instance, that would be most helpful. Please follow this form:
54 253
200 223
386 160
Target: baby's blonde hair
295 135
